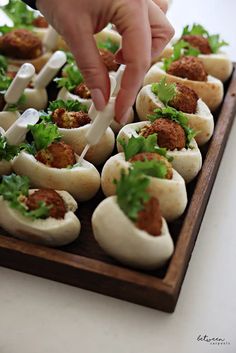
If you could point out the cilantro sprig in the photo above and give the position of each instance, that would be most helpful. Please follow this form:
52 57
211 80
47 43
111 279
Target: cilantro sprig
214 40
8 152
14 189
72 77
131 191
164 91
43 135
178 117
5 81
181 48
3 63
69 105
108 44
141 144
153 168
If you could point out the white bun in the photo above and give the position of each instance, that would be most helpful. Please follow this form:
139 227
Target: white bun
50 231
40 32
171 193
96 154
211 91
202 121
81 181
36 98
65 95
187 162
126 242
38 63
7 118
117 126
217 65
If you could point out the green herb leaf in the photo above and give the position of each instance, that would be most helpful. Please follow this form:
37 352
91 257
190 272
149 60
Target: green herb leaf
153 168
13 189
69 105
216 43
196 30
141 144
5 81
164 91
3 63
14 107
108 44
178 117
44 135
19 13
71 79
8 152
131 192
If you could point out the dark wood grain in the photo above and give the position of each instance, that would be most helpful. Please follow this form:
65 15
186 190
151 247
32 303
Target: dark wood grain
84 264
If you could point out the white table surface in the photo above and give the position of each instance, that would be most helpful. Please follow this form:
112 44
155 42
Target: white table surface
41 316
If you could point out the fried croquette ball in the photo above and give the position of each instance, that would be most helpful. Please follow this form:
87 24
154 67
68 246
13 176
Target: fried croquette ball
51 198
198 42
170 134
82 91
70 120
40 22
20 44
188 67
185 99
57 155
149 219
109 60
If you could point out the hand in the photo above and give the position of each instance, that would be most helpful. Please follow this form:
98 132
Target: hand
143 26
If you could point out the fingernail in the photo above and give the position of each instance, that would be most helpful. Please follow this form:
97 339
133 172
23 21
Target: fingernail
98 99
125 116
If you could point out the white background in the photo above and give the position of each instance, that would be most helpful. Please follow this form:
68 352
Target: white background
40 316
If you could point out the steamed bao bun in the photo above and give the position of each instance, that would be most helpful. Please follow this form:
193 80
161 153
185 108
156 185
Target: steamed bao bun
7 118
65 95
96 154
217 65
49 231
211 91
5 166
171 193
82 182
125 241
202 121
187 162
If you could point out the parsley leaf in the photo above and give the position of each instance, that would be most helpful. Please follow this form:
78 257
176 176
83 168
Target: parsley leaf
141 144
5 81
8 152
132 193
216 43
44 135
164 91
14 189
108 44
72 77
178 117
152 168
69 105
20 14
3 63
196 30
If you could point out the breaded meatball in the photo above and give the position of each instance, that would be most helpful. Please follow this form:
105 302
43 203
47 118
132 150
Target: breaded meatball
21 44
70 120
57 155
188 67
185 99
198 42
51 198
109 60
150 156
149 219
82 91
169 134
40 22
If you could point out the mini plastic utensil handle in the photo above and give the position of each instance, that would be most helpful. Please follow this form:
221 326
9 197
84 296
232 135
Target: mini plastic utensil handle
50 69
17 132
19 83
118 76
51 39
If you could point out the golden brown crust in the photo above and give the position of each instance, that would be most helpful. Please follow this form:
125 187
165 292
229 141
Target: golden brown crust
150 156
198 42
40 22
57 155
149 219
169 133
51 198
70 120
82 91
21 44
185 100
188 67
109 60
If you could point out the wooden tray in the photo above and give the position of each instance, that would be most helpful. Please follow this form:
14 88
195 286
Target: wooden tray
84 264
